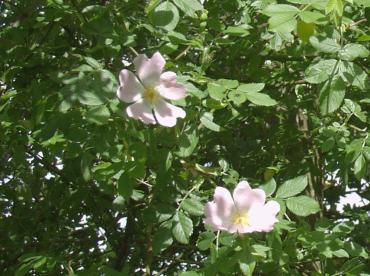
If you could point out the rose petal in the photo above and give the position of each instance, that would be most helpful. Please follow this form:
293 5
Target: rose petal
245 197
168 87
212 217
225 203
168 77
272 207
142 112
149 69
238 228
166 113
130 89
263 218
219 212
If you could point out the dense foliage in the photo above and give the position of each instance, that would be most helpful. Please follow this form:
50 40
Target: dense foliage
277 94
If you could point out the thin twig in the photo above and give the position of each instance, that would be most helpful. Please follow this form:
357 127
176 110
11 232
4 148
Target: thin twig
183 53
134 51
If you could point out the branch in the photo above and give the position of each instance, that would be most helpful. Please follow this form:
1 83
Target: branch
124 246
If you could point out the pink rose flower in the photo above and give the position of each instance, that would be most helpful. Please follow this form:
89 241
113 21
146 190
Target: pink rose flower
149 90
244 212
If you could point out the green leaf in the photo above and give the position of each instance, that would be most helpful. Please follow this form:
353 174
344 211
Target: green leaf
165 15
284 23
205 240
187 143
193 206
189 7
260 99
292 187
98 115
332 95
162 239
251 87
320 71
334 6
305 30
93 63
239 31
228 84
86 161
282 17
177 38
303 205
151 5
325 45
182 228
275 9
126 185
95 88
269 186
311 16
359 167
341 253
207 121
353 266
216 91
237 97
353 74
353 51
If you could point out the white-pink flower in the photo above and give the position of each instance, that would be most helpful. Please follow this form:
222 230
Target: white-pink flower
148 91
244 212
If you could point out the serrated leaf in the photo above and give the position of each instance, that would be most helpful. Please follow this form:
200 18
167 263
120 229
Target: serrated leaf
332 95
237 97
320 71
162 239
325 45
187 143
189 7
251 87
284 23
192 206
228 84
240 31
98 115
207 121
353 266
292 187
260 99
334 6
216 91
352 51
275 9
311 16
282 17
269 187
303 205
182 228
353 74
177 38
359 167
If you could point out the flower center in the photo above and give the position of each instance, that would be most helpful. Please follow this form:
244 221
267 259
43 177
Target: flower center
151 95
241 219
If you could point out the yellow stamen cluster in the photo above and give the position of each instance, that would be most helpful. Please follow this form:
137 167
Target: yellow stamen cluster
151 95
241 219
